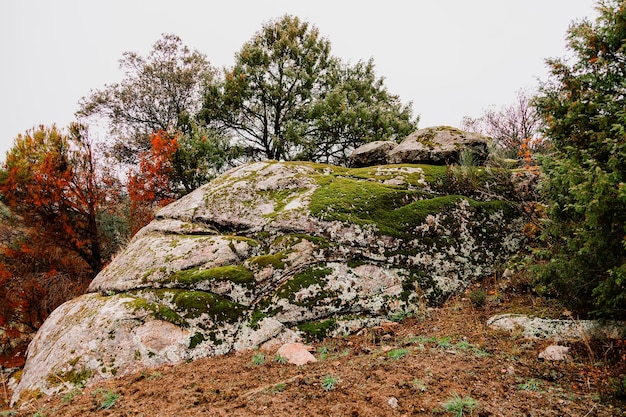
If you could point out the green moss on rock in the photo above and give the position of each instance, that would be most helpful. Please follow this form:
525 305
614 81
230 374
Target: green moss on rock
193 304
234 273
158 311
305 279
275 260
73 376
317 330
196 339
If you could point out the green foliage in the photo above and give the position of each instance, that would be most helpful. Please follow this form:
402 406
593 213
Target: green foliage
287 98
329 383
460 406
398 353
202 153
161 91
583 107
478 297
258 359
109 398
354 109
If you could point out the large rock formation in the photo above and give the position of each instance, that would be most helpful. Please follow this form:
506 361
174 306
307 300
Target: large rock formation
433 145
272 252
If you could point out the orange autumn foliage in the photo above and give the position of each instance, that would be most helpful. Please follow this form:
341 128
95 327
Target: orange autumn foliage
152 187
50 244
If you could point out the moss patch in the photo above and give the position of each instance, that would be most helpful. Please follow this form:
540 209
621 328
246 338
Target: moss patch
195 340
192 304
263 261
309 277
234 273
158 311
73 376
318 330
394 211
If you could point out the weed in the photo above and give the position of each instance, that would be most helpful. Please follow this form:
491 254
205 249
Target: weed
39 414
67 398
258 359
109 398
478 297
459 406
397 353
618 387
479 353
279 388
463 345
323 352
423 339
444 342
530 385
419 385
400 316
8 413
155 375
329 382
280 359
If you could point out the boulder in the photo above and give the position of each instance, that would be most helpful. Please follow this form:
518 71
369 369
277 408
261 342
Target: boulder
296 353
554 353
268 253
555 329
373 153
440 145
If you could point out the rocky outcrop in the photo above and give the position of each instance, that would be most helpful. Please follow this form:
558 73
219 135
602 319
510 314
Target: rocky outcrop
433 145
272 253
372 153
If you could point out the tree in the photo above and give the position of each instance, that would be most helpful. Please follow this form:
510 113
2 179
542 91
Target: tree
355 108
287 98
173 167
511 126
584 108
152 187
63 222
200 156
267 94
51 180
162 91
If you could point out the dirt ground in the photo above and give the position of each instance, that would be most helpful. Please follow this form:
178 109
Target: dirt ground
445 363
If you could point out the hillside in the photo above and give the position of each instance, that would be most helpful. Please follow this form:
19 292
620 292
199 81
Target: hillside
425 362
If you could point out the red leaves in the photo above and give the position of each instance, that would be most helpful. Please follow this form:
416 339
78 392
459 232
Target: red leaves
152 187
52 248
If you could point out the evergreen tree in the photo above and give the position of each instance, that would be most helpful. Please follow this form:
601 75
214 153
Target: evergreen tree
584 108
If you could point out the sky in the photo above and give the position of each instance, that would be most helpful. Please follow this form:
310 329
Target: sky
450 58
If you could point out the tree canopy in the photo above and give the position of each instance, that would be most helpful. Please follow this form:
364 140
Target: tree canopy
584 108
162 91
287 97
510 126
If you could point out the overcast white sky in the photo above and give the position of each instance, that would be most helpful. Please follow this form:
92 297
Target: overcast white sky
451 58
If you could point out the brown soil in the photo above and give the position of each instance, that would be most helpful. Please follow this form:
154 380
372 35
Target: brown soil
416 369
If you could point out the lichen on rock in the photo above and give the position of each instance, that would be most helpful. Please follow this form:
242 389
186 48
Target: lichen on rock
272 253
